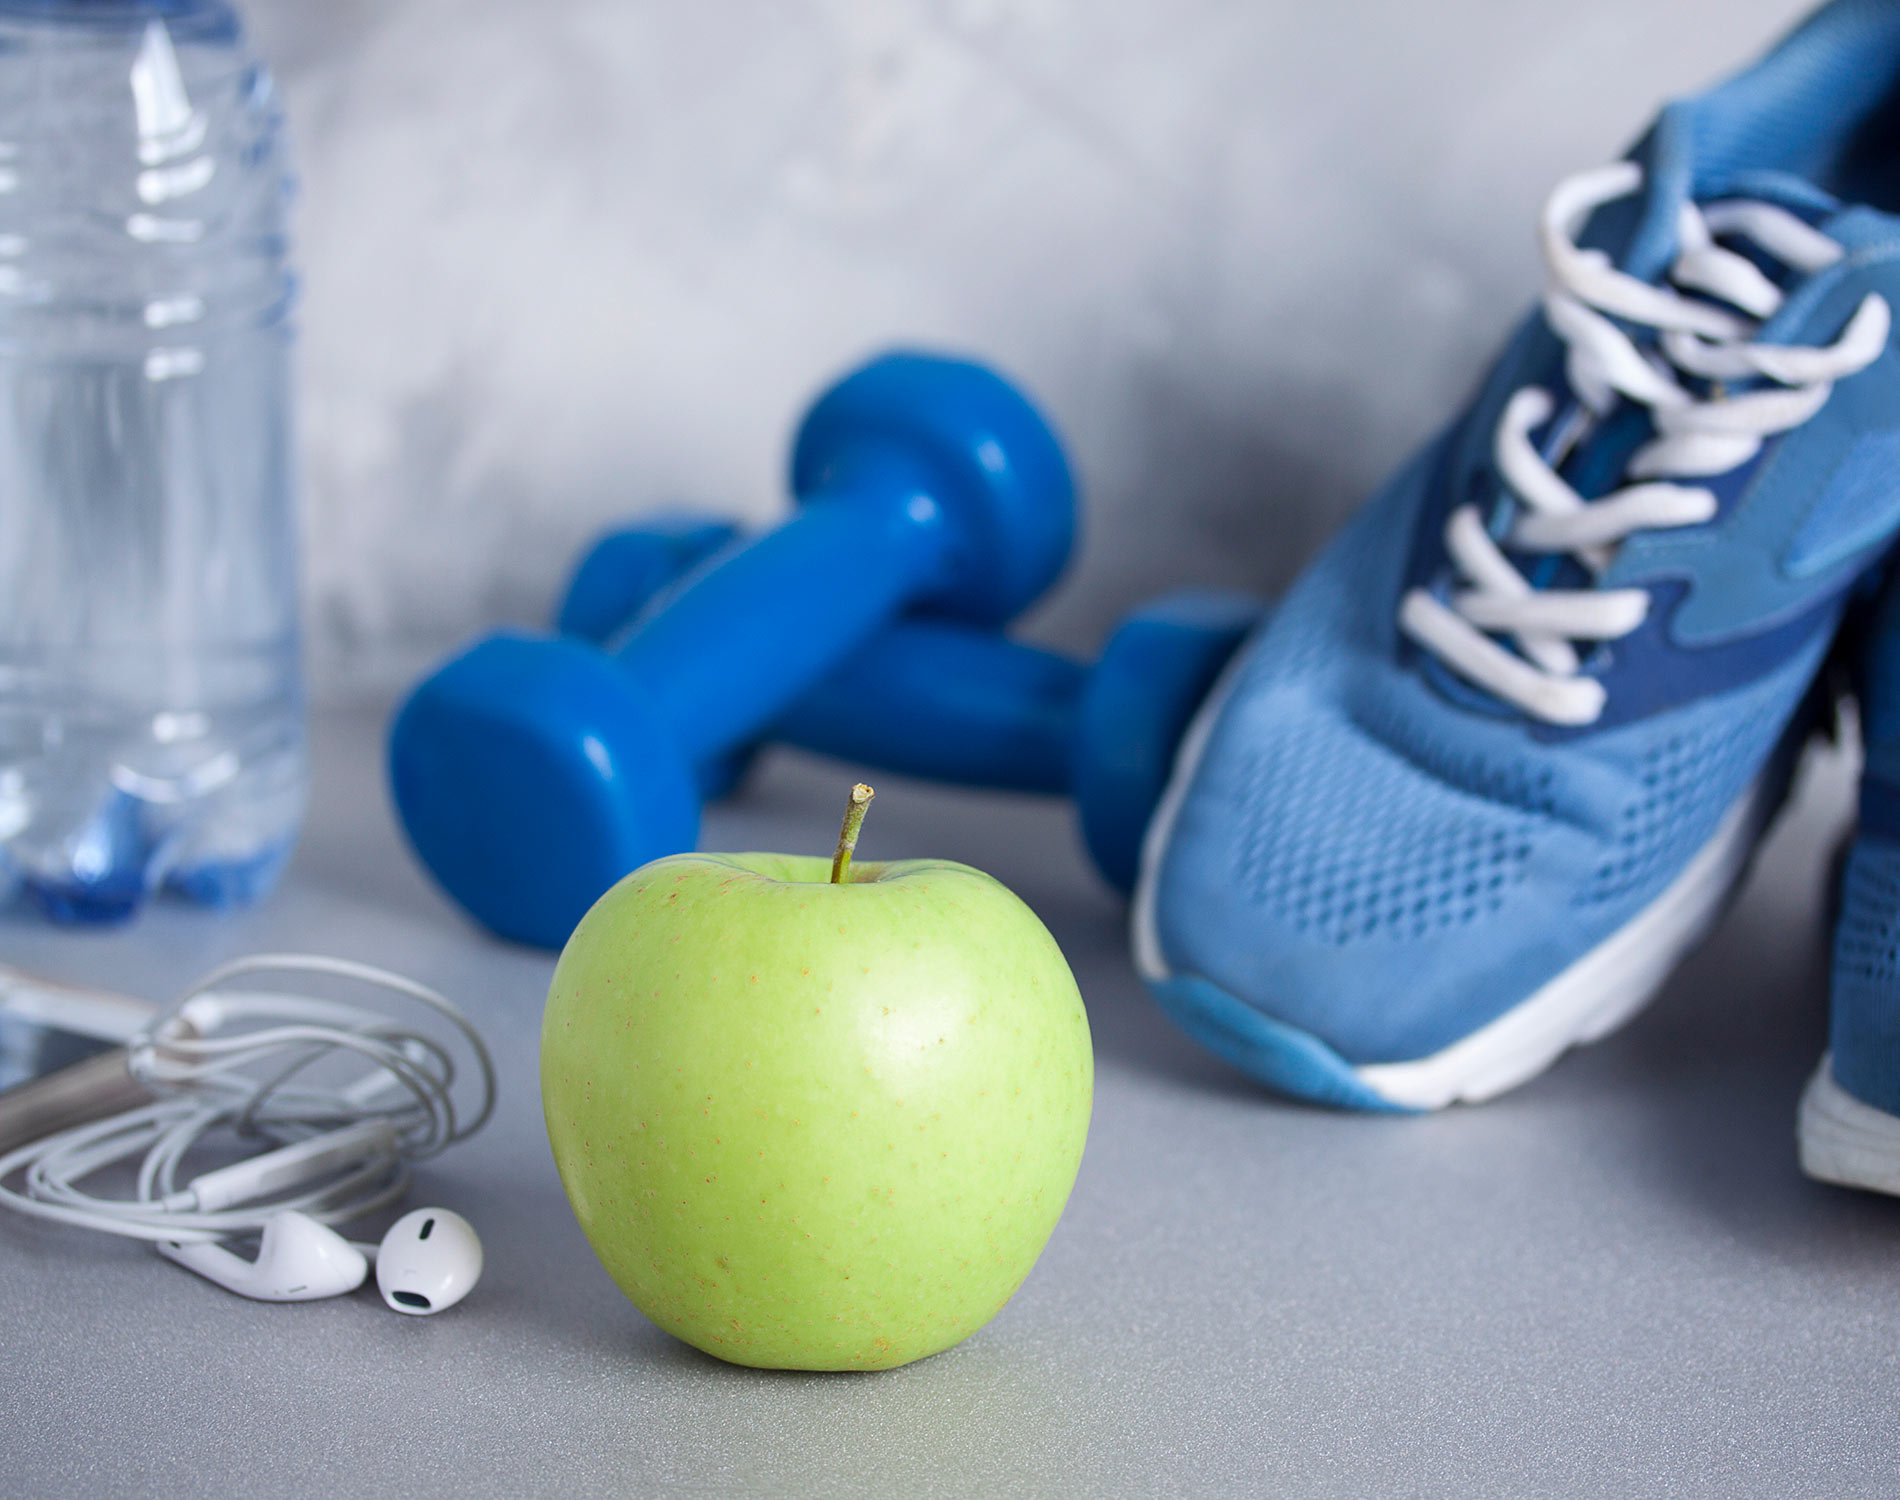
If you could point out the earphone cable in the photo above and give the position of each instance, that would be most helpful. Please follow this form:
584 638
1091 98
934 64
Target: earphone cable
254 1084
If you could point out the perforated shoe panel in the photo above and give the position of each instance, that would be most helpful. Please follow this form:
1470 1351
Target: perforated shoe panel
1432 858
1685 779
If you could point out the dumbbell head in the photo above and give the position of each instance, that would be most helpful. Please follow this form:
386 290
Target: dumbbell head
977 448
1153 676
511 767
622 571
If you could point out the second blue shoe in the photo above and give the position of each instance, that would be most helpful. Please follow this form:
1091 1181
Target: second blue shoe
1505 751
1848 1128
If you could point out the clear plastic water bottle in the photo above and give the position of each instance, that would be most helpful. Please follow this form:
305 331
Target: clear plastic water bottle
151 714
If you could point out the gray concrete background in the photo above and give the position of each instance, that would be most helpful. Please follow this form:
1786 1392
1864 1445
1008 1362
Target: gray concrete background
571 260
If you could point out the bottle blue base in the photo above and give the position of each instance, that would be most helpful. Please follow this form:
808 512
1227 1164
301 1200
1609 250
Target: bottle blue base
218 886
227 884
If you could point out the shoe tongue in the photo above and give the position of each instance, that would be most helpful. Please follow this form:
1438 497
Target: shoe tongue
1668 182
1671 177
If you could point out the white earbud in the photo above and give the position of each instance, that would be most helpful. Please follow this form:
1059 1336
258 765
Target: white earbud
298 1260
428 1261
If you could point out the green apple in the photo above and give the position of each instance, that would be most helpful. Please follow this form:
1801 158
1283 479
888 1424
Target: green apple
815 1125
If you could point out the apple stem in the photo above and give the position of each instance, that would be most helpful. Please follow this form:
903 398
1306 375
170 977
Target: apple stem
861 796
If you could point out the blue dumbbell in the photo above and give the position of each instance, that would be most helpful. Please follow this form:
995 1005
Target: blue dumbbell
531 772
956 703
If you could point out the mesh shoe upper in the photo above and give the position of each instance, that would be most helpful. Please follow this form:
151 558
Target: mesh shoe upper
1388 870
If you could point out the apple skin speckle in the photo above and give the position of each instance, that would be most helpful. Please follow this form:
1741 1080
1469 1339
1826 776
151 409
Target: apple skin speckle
944 996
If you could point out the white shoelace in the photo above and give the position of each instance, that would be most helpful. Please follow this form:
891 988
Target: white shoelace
1695 436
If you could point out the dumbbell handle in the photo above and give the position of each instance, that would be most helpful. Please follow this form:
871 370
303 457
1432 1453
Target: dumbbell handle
944 702
851 559
947 702
923 698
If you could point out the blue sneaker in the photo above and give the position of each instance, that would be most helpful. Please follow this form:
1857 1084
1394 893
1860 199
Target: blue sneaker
1506 749
1849 1124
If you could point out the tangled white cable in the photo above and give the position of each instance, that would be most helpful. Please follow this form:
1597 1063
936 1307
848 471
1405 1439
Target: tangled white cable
342 1097
1696 434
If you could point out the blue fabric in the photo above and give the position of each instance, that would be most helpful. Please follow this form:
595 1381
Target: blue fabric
1858 511
1864 1003
1375 858
1799 108
1864 980
1879 809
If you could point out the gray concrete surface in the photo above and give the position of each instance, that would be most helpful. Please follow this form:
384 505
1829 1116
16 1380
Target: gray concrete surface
1613 1281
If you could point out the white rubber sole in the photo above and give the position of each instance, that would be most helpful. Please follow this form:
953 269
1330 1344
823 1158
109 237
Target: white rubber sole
1598 992
1844 1141
1142 938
